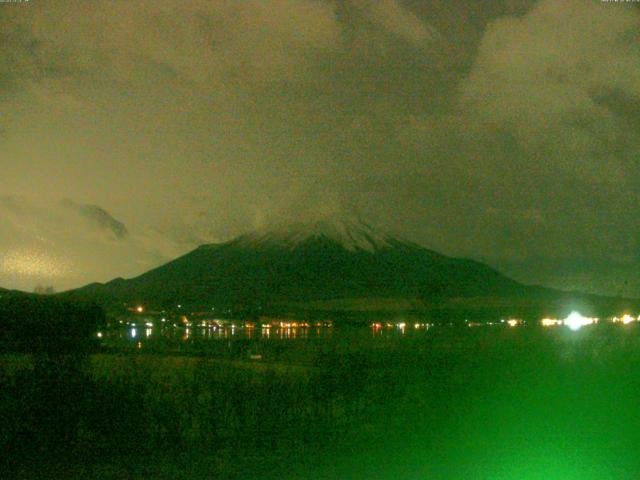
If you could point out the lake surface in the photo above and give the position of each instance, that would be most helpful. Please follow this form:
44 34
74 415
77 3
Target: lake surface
239 339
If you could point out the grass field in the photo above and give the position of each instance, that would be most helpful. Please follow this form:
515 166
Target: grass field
509 403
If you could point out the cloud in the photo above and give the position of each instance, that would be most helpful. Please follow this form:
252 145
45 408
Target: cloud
541 76
542 140
397 20
202 102
98 217
197 41
65 244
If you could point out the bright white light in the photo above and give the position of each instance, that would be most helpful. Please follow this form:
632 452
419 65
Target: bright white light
575 321
513 322
133 333
99 334
626 318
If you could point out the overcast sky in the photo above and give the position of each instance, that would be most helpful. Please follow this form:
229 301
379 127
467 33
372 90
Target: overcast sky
506 131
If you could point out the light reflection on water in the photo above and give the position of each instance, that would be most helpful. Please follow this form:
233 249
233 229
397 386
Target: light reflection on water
173 335
276 332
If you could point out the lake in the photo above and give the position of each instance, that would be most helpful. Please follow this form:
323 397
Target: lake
254 341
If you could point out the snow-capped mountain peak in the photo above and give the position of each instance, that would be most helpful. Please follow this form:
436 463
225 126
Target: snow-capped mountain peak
351 234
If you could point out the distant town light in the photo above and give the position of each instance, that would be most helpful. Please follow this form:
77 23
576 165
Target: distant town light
625 319
550 322
575 321
99 334
139 309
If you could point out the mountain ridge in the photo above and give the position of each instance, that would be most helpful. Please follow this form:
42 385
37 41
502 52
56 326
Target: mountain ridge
328 264
323 261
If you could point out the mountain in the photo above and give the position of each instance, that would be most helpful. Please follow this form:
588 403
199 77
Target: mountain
323 265
6 294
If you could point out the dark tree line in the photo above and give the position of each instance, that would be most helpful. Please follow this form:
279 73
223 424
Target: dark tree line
42 407
48 325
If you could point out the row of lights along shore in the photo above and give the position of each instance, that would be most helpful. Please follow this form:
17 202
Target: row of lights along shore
574 321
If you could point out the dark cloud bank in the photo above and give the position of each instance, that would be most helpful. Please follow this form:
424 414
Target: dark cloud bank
506 132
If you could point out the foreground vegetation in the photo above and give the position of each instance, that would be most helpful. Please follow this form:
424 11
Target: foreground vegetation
457 403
